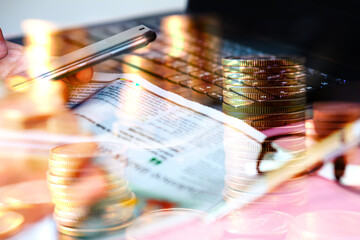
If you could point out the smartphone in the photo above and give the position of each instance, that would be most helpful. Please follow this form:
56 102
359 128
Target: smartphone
70 63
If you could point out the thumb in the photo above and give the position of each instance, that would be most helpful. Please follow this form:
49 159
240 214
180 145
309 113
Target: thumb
3 47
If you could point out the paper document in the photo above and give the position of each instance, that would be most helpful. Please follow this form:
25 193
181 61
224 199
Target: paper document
175 146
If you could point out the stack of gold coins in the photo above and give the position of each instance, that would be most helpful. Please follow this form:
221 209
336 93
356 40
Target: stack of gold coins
243 166
265 92
31 199
71 183
259 88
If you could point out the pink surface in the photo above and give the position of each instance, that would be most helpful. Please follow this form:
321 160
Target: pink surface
317 194
323 194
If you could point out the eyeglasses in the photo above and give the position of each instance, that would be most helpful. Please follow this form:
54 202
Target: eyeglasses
266 147
339 164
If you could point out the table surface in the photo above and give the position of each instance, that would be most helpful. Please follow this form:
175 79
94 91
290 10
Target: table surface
320 193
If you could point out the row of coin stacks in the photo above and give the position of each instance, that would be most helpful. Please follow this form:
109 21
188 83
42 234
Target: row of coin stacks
265 92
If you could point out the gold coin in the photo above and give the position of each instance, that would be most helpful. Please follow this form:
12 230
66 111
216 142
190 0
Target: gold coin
275 90
238 100
266 69
262 61
71 194
94 218
265 117
110 214
74 151
106 166
264 83
67 165
300 76
72 212
262 109
237 194
263 95
70 180
102 162
92 221
261 83
77 173
83 232
25 195
66 204
125 200
10 223
86 150
275 123
336 111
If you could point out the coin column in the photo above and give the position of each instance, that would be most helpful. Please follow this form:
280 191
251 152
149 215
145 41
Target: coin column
69 166
265 92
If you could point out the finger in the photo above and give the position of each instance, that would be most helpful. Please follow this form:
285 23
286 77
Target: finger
91 187
82 77
15 62
85 75
3 47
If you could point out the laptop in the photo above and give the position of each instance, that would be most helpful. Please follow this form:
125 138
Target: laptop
186 57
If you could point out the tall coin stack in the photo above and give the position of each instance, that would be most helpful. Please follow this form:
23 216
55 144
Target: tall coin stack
68 166
265 92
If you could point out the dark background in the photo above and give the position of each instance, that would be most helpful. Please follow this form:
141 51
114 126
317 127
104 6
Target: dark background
325 32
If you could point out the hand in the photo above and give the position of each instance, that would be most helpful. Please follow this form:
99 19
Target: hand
13 62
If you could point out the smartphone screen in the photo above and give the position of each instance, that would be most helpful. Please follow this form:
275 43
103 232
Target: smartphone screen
70 63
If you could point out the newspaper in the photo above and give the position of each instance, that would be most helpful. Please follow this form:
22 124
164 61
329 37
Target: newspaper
175 146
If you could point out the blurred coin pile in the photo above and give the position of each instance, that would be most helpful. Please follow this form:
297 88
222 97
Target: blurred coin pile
265 92
21 203
10 223
25 109
24 116
331 116
70 182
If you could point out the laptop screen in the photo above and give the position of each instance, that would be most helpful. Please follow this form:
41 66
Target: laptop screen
322 31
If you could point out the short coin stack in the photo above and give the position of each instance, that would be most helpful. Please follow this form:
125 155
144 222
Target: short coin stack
265 92
68 167
332 116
